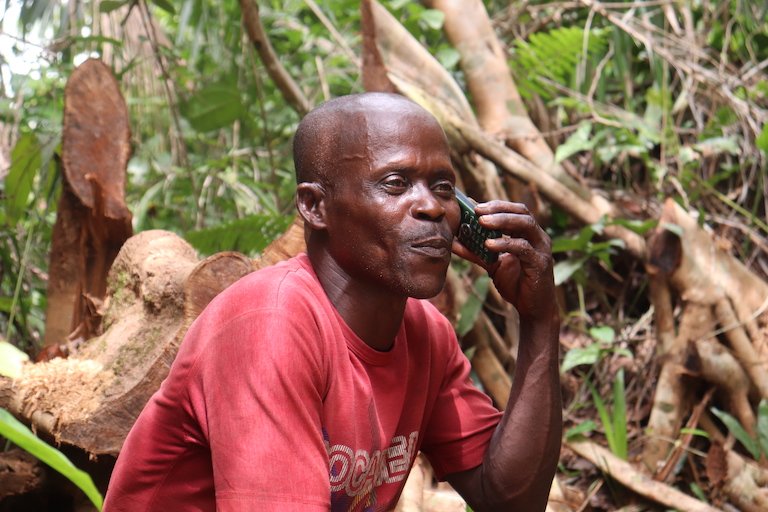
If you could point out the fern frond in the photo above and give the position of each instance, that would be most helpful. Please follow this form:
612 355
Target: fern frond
554 55
248 235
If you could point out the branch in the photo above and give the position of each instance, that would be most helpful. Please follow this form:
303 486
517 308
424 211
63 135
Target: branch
290 90
624 473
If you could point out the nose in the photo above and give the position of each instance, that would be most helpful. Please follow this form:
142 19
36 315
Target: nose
426 205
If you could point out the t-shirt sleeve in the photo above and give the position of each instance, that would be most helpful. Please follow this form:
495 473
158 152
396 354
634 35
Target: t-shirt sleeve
462 421
257 394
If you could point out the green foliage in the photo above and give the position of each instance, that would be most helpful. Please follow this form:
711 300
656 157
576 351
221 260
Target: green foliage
472 307
582 248
247 235
757 446
553 57
213 107
17 433
614 420
25 162
593 353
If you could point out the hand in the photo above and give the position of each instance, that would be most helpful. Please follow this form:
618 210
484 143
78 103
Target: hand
523 273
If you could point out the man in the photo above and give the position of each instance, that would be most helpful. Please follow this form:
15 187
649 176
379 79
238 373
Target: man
312 384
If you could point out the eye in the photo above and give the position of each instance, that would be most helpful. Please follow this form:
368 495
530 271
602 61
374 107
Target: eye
444 188
395 184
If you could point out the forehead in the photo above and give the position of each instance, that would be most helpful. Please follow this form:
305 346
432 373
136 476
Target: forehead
375 132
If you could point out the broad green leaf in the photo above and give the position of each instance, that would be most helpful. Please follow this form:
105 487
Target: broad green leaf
578 243
165 5
213 107
16 432
247 235
25 162
580 429
578 356
603 333
735 428
473 305
107 6
566 268
578 141
11 360
433 18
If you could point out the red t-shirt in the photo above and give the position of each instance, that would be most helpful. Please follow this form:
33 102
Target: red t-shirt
273 403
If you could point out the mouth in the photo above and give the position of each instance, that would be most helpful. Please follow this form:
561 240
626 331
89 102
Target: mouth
433 247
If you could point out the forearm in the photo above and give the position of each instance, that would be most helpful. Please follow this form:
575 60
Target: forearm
521 459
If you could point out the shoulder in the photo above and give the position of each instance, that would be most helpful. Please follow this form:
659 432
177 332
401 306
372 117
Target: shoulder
283 300
276 286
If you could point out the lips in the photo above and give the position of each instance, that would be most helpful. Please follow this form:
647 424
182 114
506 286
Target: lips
433 247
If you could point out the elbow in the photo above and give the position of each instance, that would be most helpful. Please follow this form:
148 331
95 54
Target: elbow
526 491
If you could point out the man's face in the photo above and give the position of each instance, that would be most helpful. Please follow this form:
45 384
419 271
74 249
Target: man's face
391 213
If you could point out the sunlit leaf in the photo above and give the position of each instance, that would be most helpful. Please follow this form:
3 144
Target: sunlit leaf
603 333
16 432
579 356
580 429
762 139
11 360
433 18
25 162
565 269
578 141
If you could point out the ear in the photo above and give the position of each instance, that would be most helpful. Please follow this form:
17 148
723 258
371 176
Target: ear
310 201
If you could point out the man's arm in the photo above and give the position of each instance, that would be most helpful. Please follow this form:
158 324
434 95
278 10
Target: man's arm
518 467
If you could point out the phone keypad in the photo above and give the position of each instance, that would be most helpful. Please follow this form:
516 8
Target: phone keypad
473 236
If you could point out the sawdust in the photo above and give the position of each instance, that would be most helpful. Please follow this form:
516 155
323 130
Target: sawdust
69 389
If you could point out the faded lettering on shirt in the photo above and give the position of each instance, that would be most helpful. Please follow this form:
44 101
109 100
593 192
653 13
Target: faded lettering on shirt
360 471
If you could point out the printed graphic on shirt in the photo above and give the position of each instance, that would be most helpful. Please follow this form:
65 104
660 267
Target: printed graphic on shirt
355 474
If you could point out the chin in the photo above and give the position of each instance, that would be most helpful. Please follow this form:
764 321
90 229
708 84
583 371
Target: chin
426 290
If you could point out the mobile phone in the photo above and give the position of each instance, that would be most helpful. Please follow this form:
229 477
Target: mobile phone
471 234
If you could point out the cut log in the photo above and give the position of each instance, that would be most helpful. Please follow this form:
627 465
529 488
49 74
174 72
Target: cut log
92 219
92 399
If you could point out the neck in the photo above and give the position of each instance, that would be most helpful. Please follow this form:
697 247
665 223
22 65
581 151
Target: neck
373 314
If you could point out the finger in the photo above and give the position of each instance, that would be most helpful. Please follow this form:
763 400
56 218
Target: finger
517 225
498 206
522 249
462 252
